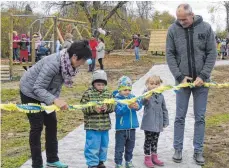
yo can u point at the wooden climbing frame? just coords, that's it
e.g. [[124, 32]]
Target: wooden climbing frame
[[55, 33]]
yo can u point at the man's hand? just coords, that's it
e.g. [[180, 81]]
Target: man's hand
[[198, 82], [61, 104], [165, 126], [185, 80]]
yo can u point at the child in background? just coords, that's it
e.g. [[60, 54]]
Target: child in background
[[126, 123], [28, 40], [23, 48], [93, 44], [155, 118], [97, 121], [15, 46]]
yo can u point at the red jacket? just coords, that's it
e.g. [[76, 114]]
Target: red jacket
[[93, 44], [15, 41]]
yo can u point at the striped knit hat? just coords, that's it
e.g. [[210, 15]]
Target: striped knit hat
[[124, 83]]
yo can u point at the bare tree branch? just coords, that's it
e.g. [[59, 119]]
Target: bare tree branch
[[112, 12], [86, 10], [119, 16]]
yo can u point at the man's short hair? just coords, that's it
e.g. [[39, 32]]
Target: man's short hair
[[186, 7]]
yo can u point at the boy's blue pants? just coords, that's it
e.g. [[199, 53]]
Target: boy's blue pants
[[96, 147]]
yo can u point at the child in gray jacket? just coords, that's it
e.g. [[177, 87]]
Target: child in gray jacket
[[155, 118]]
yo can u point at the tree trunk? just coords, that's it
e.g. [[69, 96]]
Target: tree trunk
[[95, 17], [226, 4]]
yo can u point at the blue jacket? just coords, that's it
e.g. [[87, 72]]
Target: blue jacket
[[126, 118], [42, 51]]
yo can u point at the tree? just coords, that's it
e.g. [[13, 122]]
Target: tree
[[219, 7], [226, 5], [17, 6], [94, 11], [162, 20], [28, 9], [144, 8]]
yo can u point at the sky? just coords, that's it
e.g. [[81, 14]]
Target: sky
[[198, 7]]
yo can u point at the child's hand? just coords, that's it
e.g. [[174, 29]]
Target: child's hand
[[134, 106], [104, 108], [147, 98], [98, 109], [131, 106]]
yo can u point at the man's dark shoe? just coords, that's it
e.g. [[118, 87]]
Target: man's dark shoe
[[177, 157], [198, 157]]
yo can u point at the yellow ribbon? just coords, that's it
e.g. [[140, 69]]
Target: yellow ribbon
[[35, 108]]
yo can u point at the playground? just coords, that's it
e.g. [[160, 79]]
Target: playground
[[15, 126], [118, 61]]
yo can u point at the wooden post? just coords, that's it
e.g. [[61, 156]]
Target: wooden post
[[71, 21], [55, 33], [59, 35], [11, 46], [89, 33], [49, 30], [128, 45], [33, 54], [53, 46], [78, 32]]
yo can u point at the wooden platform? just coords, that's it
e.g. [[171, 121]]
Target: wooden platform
[[5, 72]]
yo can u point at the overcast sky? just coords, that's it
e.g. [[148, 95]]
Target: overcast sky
[[199, 8]]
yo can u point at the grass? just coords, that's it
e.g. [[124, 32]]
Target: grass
[[217, 120], [8, 95], [217, 123], [15, 125]]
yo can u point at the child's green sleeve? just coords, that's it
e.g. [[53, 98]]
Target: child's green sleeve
[[84, 100]]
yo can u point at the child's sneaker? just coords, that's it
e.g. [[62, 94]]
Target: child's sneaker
[[129, 165], [57, 164], [101, 165], [119, 166]]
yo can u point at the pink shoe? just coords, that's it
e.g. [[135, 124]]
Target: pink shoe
[[156, 161], [148, 161]]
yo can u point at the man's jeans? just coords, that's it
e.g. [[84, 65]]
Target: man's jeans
[[200, 96]]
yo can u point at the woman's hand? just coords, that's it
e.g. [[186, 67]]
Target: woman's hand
[[61, 104]]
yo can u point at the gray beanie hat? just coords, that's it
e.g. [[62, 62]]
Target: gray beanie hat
[[99, 75]]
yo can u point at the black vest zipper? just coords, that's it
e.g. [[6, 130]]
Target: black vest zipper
[[188, 52]]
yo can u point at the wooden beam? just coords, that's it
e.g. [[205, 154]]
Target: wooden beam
[[78, 32], [33, 16], [11, 46], [128, 45], [71, 21], [33, 54], [88, 32], [49, 30], [55, 33], [52, 45], [59, 35]]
